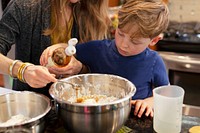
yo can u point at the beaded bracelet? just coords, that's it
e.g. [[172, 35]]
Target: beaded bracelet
[[10, 70]]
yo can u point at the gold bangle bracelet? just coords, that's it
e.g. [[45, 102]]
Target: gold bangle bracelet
[[19, 72], [23, 70]]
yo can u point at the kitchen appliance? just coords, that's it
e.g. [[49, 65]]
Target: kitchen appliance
[[180, 50], [93, 118], [184, 70], [181, 37], [26, 104]]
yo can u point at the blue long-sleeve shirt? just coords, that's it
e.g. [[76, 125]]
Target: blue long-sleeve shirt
[[145, 70]]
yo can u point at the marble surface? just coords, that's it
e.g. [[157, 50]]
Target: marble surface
[[4, 90], [145, 124], [133, 124]]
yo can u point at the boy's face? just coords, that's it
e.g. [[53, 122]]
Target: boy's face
[[127, 46]]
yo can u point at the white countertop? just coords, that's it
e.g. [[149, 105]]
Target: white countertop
[[5, 90]]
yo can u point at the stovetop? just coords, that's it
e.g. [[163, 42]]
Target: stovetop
[[178, 46], [183, 32], [181, 37]]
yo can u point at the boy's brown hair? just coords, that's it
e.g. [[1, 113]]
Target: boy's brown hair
[[151, 17]]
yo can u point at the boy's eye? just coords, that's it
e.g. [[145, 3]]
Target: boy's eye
[[135, 42]]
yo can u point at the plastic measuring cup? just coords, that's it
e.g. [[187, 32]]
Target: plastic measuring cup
[[168, 101]]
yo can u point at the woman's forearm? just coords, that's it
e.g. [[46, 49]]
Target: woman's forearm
[[5, 66]]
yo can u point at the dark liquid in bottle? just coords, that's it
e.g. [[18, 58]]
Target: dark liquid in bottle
[[60, 58]]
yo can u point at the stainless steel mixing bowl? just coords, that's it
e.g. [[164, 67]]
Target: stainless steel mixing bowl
[[28, 104], [93, 118]]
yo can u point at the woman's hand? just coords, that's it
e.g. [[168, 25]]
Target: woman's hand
[[74, 67], [142, 106], [48, 52], [38, 76]]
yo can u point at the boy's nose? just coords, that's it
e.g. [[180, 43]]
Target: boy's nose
[[124, 44]]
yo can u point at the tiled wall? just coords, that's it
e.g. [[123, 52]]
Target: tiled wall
[[184, 10]]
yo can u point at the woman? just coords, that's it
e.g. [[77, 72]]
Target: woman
[[34, 25]]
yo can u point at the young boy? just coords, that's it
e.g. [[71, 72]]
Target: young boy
[[140, 23]]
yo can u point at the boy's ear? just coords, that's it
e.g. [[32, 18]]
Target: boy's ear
[[155, 40]]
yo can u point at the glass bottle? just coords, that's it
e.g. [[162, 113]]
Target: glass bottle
[[62, 56]]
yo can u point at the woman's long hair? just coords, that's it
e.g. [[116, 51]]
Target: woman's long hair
[[91, 17]]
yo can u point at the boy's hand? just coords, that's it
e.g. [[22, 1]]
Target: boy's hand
[[142, 106]]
